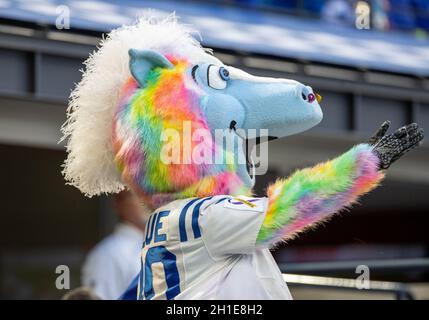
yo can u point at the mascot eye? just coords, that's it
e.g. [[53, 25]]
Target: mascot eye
[[217, 77]]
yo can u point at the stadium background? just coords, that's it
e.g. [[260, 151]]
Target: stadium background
[[365, 76]]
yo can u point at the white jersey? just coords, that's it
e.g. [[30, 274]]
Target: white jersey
[[204, 248]]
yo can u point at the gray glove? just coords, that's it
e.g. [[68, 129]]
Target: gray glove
[[390, 148]]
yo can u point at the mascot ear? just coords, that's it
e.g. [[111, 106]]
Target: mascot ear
[[142, 61]]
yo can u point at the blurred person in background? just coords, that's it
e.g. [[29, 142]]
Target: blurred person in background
[[314, 7], [421, 10], [401, 15], [339, 12], [113, 263], [380, 14]]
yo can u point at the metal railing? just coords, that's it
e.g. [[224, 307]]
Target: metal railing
[[415, 264], [296, 274], [399, 290]]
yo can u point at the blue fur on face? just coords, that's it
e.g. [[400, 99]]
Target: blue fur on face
[[282, 107], [234, 100]]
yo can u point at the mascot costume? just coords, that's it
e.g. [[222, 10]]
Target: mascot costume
[[148, 88]]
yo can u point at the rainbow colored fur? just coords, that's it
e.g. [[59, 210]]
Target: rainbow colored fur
[[312, 195], [168, 101]]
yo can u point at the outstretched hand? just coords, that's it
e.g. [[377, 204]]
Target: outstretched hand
[[390, 148]]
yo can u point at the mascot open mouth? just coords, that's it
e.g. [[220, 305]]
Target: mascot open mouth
[[249, 144]]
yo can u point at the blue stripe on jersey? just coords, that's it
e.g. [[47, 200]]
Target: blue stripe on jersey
[[221, 199], [182, 220], [195, 214]]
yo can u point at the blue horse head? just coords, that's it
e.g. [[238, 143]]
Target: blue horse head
[[257, 107]]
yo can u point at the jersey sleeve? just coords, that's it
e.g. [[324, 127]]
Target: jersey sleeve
[[230, 225]]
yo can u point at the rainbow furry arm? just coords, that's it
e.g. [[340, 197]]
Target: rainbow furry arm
[[314, 194]]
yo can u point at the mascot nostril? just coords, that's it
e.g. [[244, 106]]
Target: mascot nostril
[[128, 117]]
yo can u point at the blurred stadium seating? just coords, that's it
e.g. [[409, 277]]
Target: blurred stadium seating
[[400, 15]]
